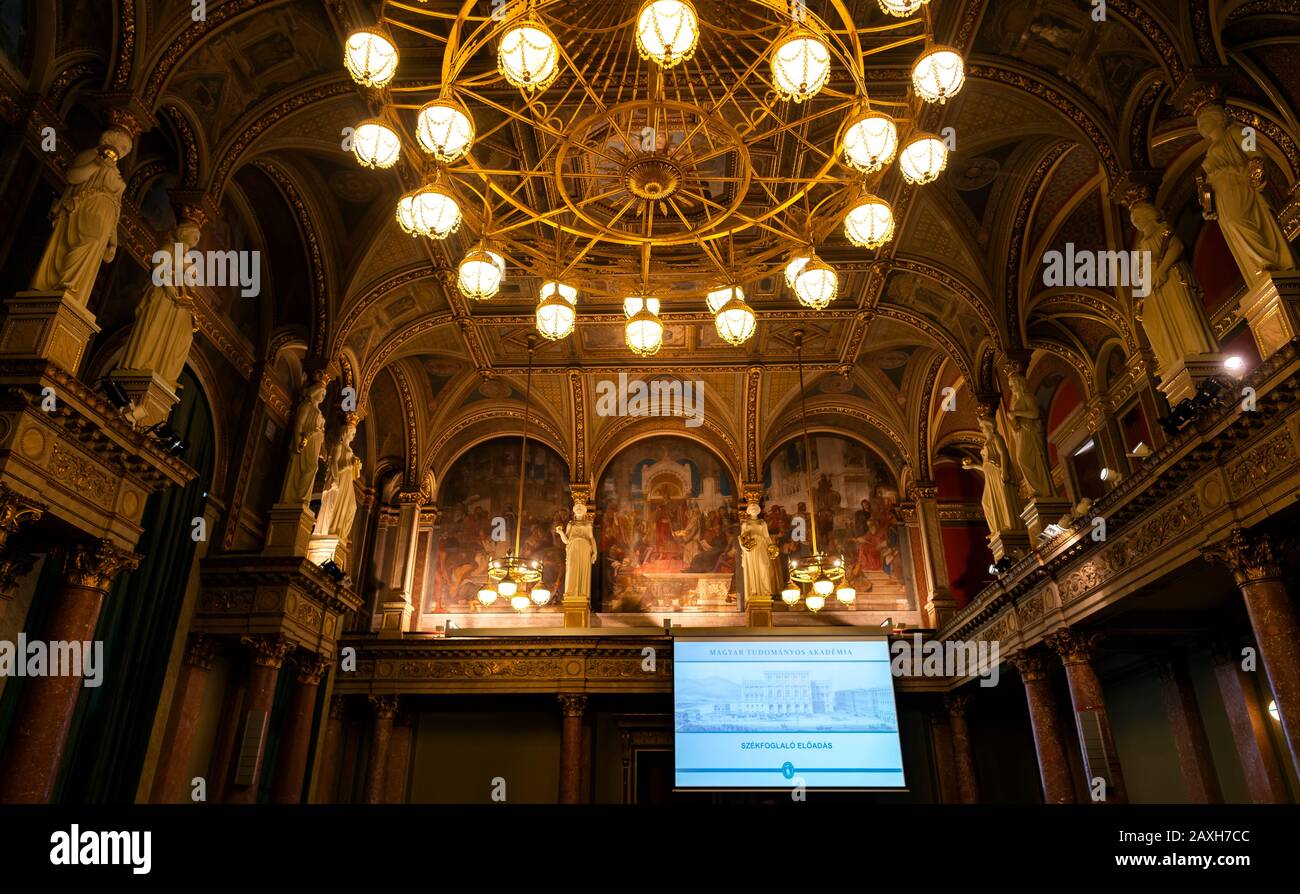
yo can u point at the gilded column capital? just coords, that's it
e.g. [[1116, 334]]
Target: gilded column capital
[[384, 706], [572, 705], [270, 650], [310, 667], [956, 703], [14, 566], [1249, 556], [16, 510], [200, 649], [1074, 646], [94, 565], [1033, 665]]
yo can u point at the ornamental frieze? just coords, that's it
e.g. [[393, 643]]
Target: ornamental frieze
[[1262, 463]]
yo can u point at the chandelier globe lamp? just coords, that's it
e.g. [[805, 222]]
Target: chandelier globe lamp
[[644, 331], [375, 144], [735, 322], [922, 159], [528, 56], [445, 130], [870, 222], [817, 284], [801, 65], [667, 31], [938, 75], [902, 8], [556, 310], [435, 211], [870, 142], [481, 273], [370, 57]]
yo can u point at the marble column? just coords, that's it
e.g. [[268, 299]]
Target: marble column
[[295, 740], [1049, 739], [381, 735], [40, 728], [1195, 761], [963, 752], [397, 608], [227, 742], [945, 768], [266, 657], [572, 707], [1248, 719], [331, 750], [169, 783], [1273, 619], [397, 769], [1078, 654]]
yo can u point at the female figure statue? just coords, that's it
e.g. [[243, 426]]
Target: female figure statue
[[1248, 224], [304, 446], [338, 502], [996, 469], [1031, 450], [164, 321], [757, 551], [85, 220], [579, 554], [1171, 314]]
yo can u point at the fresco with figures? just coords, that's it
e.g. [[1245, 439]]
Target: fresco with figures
[[666, 529], [482, 486], [855, 498]]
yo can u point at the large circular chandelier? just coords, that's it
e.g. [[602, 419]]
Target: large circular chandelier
[[640, 136]]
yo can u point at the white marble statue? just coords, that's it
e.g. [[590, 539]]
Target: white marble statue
[[998, 500], [163, 331], [1248, 224], [756, 552], [304, 446], [85, 220], [338, 502], [1171, 315], [1031, 448], [579, 554]]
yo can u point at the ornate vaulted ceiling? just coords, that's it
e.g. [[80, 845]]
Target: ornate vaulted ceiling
[[1059, 116]]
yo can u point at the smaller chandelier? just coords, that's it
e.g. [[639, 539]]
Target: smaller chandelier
[[435, 211], [556, 313], [529, 56], [375, 145], [902, 8], [721, 295], [445, 130], [667, 31], [870, 223], [370, 57], [870, 142], [801, 66], [817, 284], [735, 322], [644, 332], [797, 262], [923, 159], [939, 74], [481, 273], [813, 578], [514, 578]]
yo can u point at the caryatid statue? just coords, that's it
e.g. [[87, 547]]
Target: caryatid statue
[[995, 466], [338, 502], [1248, 224], [1171, 314], [85, 220], [579, 554], [756, 553], [163, 331], [304, 446], [1031, 447]]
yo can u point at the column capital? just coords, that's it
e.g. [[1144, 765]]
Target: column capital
[[572, 705], [923, 490], [384, 706], [200, 649], [268, 650], [310, 667], [94, 565], [956, 703], [15, 564], [15, 510], [1248, 555], [1074, 646], [1033, 665], [338, 704]]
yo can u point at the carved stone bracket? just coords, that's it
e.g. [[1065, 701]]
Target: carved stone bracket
[[15, 510]]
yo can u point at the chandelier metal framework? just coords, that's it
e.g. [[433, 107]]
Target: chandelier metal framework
[[641, 139]]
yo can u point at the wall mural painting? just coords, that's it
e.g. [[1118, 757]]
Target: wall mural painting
[[483, 485], [666, 529], [854, 496]]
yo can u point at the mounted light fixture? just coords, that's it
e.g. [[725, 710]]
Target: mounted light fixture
[[735, 322], [870, 142], [644, 331], [480, 274], [870, 222], [718, 297], [923, 159], [375, 144], [801, 65], [902, 8], [370, 57], [529, 56], [817, 284], [939, 74], [667, 31], [445, 130], [435, 211], [797, 262], [556, 310]]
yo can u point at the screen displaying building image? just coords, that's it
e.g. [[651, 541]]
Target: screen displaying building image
[[765, 713]]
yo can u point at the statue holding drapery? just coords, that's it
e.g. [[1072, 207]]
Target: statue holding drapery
[[579, 554]]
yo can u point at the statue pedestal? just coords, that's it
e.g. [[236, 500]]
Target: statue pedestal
[[577, 612], [758, 610], [939, 609], [290, 532], [1041, 512], [1182, 379], [1009, 543], [1271, 308], [394, 616], [49, 326], [153, 398], [321, 547]]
